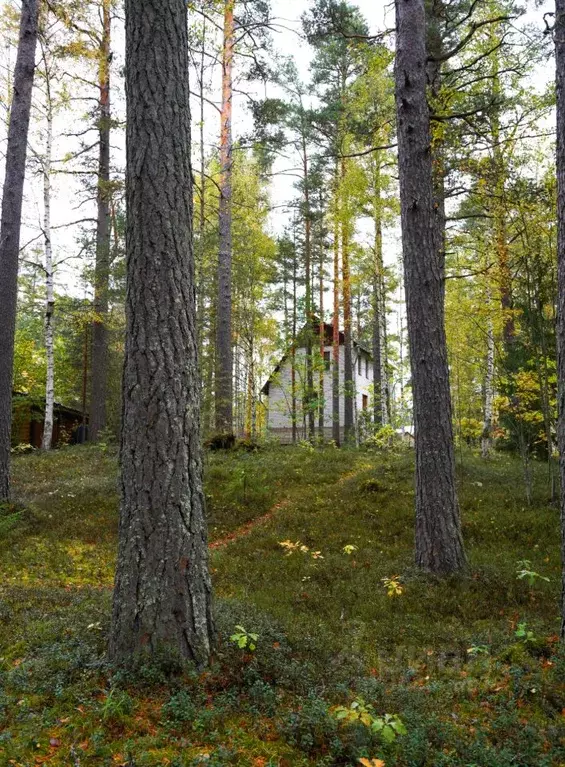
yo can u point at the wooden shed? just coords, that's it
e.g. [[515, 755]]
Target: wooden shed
[[28, 418]]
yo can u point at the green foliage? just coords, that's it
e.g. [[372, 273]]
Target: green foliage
[[9, 517], [388, 726], [392, 585], [244, 639], [524, 634], [382, 439], [116, 705], [525, 571]]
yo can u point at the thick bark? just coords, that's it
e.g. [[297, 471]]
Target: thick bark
[[12, 197], [162, 595], [560, 328], [224, 352], [439, 544], [335, 342], [49, 288], [99, 367], [435, 22]]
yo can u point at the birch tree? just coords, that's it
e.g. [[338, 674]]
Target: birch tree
[[46, 166]]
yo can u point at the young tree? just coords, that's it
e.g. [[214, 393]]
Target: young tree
[[439, 543], [11, 222], [162, 592]]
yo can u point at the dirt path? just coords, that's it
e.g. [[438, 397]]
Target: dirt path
[[249, 527]]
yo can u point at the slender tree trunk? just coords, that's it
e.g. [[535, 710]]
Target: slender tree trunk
[[236, 380], [499, 213], [308, 399], [85, 364], [249, 410], [200, 294], [486, 439], [162, 595], [348, 380], [47, 439], [439, 543], [322, 345], [224, 356], [99, 367], [378, 401], [294, 414], [386, 406], [16, 152], [559, 34], [336, 365]]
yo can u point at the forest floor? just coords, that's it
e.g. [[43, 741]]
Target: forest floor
[[471, 665]]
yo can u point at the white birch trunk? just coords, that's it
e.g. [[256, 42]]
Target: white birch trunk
[[486, 440], [49, 289]]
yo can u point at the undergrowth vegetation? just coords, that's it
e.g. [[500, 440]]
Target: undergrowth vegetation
[[331, 648]]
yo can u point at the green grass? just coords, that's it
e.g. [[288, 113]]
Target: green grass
[[328, 633]]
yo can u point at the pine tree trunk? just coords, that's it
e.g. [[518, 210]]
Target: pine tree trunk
[[309, 396], [559, 35], [439, 543], [435, 22], [99, 362], [348, 380], [47, 439], [378, 400], [322, 340], [294, 413], [335, 350], [386, 399], [16, 152], [162, 595], [224, 352]]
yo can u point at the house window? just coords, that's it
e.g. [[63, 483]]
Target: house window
[[360, 361], [365, 401], [326, 360]]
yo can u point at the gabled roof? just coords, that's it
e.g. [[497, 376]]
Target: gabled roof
[[38, 403], [300, 343]]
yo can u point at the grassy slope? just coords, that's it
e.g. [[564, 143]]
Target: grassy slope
[[328, 632]]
